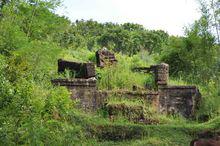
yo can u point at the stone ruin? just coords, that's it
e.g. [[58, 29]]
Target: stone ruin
[[85, 90], [81, 70], [104, 58], [183, 100], [179, 99], [83, 85], [173, 99], [160, 71]]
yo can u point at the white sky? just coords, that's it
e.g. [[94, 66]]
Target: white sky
[[168, 15]]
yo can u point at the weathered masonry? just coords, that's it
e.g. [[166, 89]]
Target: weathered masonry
[[80, 70], [104, 58], [82, 85], [160, 71], [84, 90], [167, 99], [179, 99], [173, 99]]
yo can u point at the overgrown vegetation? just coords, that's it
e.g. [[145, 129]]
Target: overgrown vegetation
[[121, 76], [33, 112]]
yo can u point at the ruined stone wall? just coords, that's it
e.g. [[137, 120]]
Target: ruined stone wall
[[85, 91], [179, 99], [90, 99], [183, 100]]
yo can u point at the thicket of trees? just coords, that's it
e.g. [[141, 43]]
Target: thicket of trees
[[33, 37], [35, 20], [197, 54], [127, 38]]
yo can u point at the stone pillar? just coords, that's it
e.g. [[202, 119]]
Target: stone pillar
[[162, 74]]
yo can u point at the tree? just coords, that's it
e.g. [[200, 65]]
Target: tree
[[215, 6], [211, 11], [2, 3]]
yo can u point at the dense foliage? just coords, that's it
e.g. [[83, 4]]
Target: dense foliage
[[33, 37], [127, 38]]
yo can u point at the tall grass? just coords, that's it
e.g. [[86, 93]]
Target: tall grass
[[79, 55], [121, 76], [210, 104]]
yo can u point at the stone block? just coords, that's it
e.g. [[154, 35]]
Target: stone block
[[161, 72], [183, 100], [81, 70], [104, 58]]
